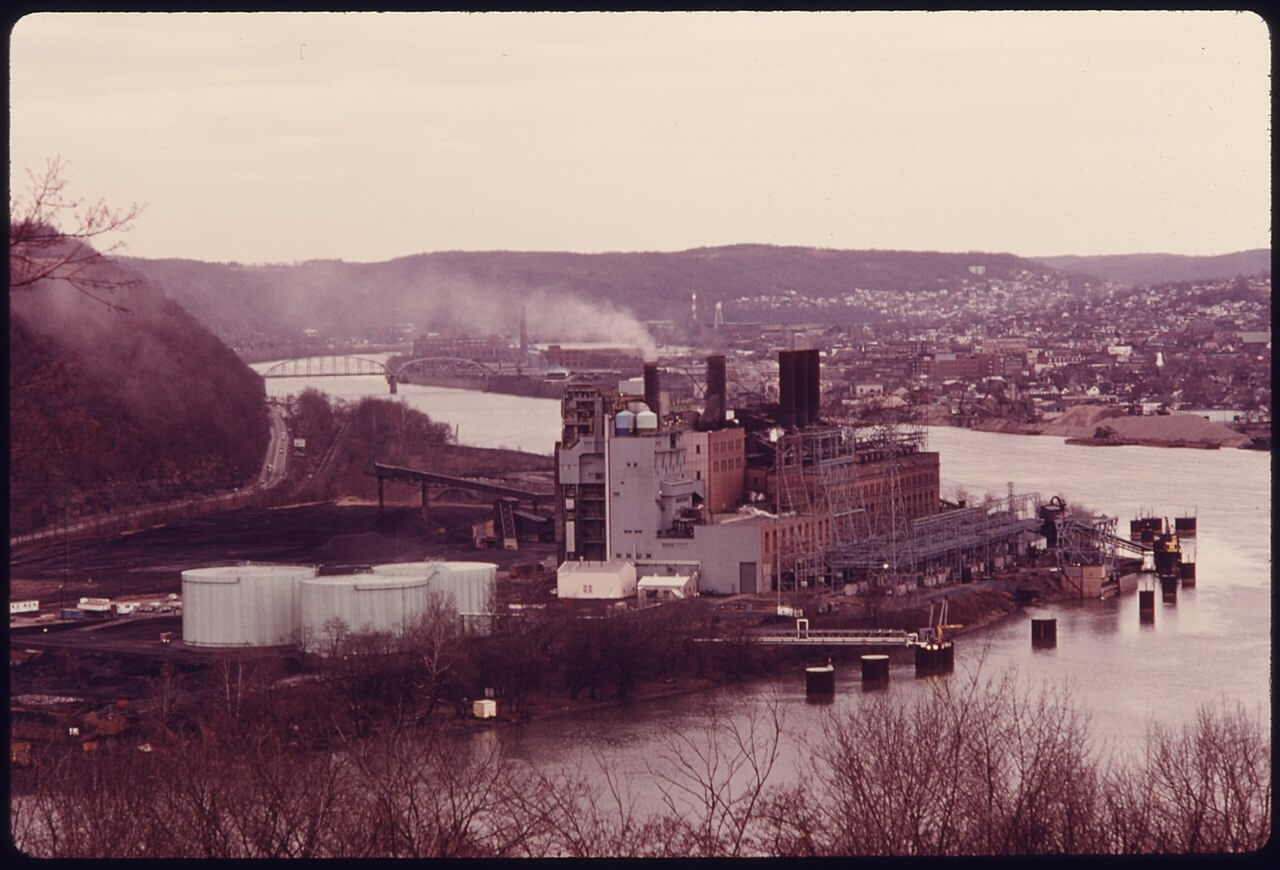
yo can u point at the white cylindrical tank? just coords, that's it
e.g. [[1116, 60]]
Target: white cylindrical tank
[[468, 587], [241, 605], [365, 603], [646, 421], [624, 422]]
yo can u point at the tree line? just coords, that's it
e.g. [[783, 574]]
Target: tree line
[[975, 766]]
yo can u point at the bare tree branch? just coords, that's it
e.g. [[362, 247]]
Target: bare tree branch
[[52, 237]]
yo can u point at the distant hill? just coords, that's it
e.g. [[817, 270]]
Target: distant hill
[[1164, 268], [108, 409], [594, 295]]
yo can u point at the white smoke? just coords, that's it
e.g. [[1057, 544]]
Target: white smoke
[[551, 315]]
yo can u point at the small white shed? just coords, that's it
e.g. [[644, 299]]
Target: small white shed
[[609, 580], [657, 587]]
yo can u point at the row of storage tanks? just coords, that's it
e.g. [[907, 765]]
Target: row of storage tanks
[[272, 605]]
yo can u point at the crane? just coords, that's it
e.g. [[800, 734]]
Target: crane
[[934, 633]]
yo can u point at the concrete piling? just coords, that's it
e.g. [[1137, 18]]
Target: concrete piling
[[820, 680], [1044, 633], [1146, 605], [1187, 571], [875, 671], [934, 659]]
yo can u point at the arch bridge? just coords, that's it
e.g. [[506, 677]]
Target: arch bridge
[[444, 365], [327, 367]]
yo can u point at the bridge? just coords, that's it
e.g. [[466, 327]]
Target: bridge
[[357, 366], [445, 365], [327, 367]]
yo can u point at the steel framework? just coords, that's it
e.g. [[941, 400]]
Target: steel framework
[[818, 471]]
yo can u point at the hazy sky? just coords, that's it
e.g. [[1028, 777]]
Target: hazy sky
[[282, 137]]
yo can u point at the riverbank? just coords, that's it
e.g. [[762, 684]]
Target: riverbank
[[1100, 425]]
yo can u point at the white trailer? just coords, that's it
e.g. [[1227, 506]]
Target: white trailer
[[16, 607]]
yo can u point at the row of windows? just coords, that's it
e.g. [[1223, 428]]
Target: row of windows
[[726, 464]]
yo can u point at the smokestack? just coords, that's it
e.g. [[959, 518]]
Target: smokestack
[[717, 392], [787, 389], [799, 389], [652, 388], [524, 334], [813, 384]]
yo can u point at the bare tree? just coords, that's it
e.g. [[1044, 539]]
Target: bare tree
[[714, 783], [52, 236], [1203, 788], [431, 643]]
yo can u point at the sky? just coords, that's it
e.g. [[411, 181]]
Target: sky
[[258, 138]]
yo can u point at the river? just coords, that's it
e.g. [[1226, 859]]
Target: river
[[1213, 645], [481, 419]]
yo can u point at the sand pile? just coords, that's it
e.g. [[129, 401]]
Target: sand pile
[[1177, 427], [1083, 421]]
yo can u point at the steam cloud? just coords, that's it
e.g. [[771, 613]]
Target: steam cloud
[[551, 314]]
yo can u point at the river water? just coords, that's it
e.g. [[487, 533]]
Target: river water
[[1213, 645]]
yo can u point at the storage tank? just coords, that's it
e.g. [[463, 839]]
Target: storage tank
[[241, 605], [624, 423], [646, 421], [468, 587], [365, 603]]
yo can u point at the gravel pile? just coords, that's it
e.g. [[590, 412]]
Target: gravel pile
[[1083, 421]]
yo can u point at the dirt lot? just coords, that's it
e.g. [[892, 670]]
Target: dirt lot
[[151, 562]]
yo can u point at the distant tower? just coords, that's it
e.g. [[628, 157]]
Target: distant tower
[[719, 320], [524, 334], [693, 308]]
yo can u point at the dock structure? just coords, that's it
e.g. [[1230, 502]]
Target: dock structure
[[805, 636]]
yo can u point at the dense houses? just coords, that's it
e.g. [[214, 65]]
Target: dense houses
[[1029, 347]]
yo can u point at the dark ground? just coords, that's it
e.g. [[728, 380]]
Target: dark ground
[[151, 562]]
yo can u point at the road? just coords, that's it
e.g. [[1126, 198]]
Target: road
[[272, 473], [275, 463]]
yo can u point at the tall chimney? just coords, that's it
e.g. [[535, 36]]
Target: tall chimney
[[652, 388], [787, 389], [717, 391], [813, 385]]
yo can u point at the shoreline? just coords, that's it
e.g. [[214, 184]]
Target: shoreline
[[1011, 427]]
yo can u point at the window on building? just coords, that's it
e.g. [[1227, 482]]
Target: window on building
[[586, 588]]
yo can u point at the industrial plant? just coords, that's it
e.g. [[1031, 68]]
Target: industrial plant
[[769, 497]]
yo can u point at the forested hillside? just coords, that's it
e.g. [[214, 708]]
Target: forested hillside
[[562, 292], [1165, 268], [111, 408]]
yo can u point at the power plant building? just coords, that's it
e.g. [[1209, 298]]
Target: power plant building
[[772, 498]]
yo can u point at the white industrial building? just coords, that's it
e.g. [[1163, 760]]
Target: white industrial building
[[657, 588], [273, 605], [610, 580], [652, 511]]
